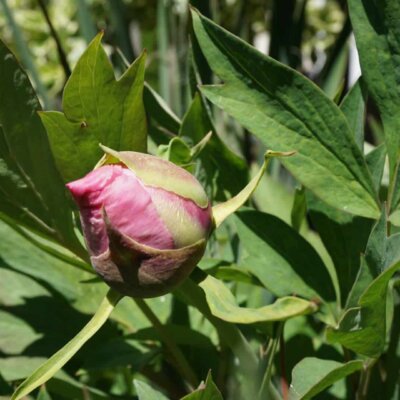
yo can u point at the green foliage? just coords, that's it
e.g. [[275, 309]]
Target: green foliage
[[297, 296], [288, 113], [115, 119]]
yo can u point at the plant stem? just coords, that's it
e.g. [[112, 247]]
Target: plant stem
[[61, 54], [272, 350], [182, 364], [364, 380], [59, 359], [284, 383]]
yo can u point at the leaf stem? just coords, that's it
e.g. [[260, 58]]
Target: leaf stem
[[182, 364], [61, 53], [268, 372], [59, 359]]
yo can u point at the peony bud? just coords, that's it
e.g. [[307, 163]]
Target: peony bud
[[145, 221]]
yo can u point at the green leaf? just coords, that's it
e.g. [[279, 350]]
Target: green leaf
[[146, 392], [362, 329], [97, 109], [223, 305], [31, 190], [182, 335], [158, 110], [353, 107], [377, 33], [206, 391], [376, 164], [218, 161], [299, 209], [288, 112], [312, 375], [282, 259], [59, 359], [345, 238]]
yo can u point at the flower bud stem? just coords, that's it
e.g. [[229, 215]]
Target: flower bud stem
[[59, 359], [181, 363]]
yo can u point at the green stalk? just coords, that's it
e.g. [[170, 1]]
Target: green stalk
[[162, 46], [59, 359], [272, 347], [182, 364], [25, 54]]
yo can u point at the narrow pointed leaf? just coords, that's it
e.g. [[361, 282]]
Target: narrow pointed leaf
[[218, 161], [59, 359], [377, 33]]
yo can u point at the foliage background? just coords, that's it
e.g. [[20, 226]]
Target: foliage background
[[44, 300]]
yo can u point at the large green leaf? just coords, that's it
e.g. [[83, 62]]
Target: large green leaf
[[206, 391], [312, 375], [97, 109], [377, 32], [282, 259], [31, 190], [288, 112], [223, 305], [362, 329]]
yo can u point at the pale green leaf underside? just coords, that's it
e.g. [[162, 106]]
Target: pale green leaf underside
[[223, 305], [288, 112]]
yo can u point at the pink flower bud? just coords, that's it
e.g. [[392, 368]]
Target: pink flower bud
[[145, 221]]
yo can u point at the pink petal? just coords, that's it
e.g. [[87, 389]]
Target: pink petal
[[128, 206]]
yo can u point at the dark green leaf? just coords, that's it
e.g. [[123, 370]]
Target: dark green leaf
[[282, 259], [376, 164], [287, 112], [158, 110], [98, 109], [353, 107], [312, 375], [220, 163], [31, 190]]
